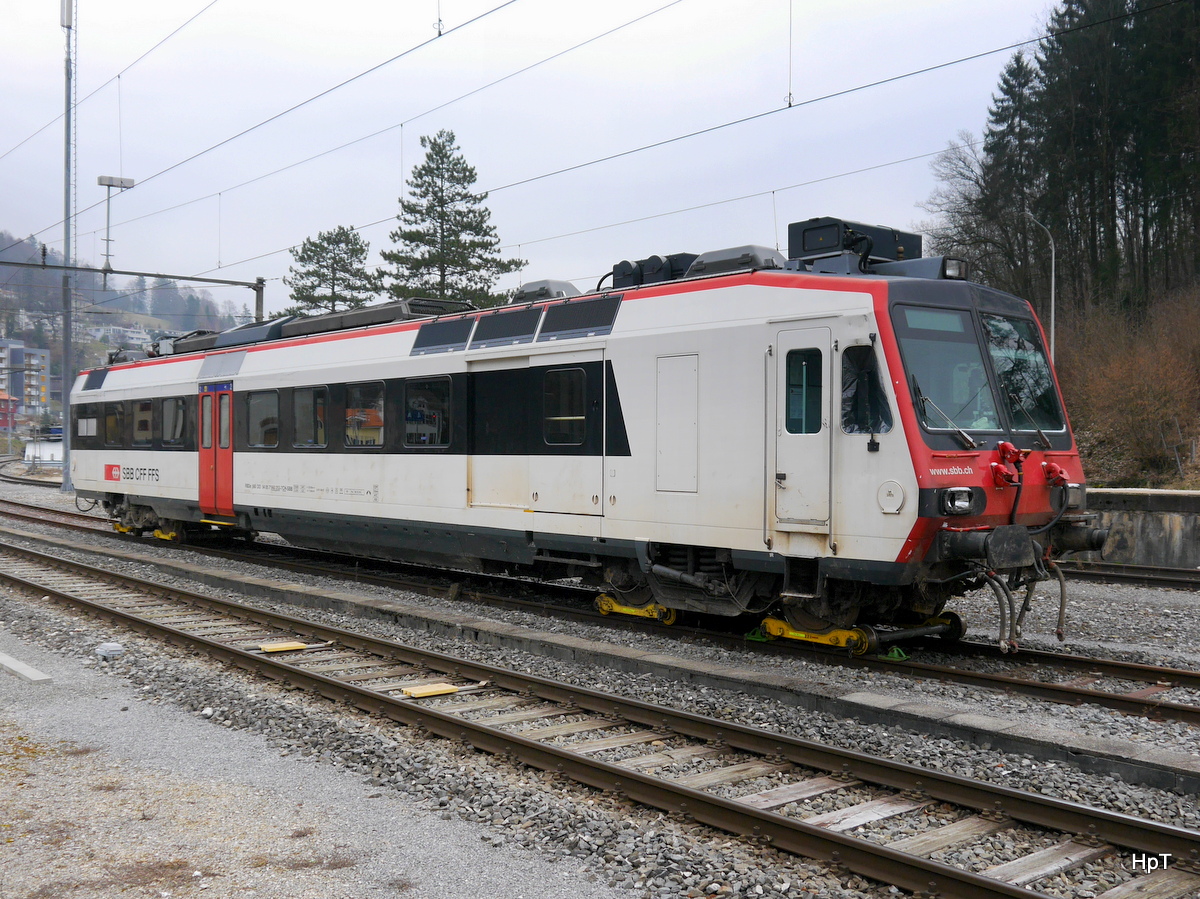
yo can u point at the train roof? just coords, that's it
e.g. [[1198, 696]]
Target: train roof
[[822, 246]]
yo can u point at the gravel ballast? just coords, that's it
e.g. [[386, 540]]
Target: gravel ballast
[[109, 791]]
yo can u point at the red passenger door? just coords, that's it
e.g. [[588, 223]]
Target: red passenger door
[[216, 449]]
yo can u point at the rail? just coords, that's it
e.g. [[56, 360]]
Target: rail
[[389, 678]]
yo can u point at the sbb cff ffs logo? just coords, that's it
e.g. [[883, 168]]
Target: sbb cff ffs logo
[[129, 473]]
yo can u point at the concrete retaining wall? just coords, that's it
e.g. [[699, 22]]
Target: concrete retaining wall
[[1149, 527]]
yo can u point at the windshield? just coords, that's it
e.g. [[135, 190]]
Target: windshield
[[949, 377], [1026, 385], [943, 357]]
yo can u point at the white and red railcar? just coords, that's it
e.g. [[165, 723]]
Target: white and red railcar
[[841, 438]]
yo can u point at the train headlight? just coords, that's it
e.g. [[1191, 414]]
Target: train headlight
[[956, 500], [955, 269]]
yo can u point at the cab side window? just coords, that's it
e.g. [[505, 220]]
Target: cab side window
[[865, 408]]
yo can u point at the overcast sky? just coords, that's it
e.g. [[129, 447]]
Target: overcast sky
[[186, 121]]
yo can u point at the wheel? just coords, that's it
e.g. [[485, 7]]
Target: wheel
[[958, 627], [667, 616], [867, 639], [803, 621]]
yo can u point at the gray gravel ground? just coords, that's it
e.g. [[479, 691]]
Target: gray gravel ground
[[596, 838], [110, 791]]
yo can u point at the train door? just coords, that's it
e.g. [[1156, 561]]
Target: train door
[[216, 448], [498, 466], [802, 429], [567, 472]]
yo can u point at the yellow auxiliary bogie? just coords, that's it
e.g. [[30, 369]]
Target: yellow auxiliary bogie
[[858, 640], [606, 605]]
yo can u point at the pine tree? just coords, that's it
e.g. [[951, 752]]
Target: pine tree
[[1012, 182], [331, 273], [448, 248], [165, 300]]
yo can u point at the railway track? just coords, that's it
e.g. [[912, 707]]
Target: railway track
[[1142, 575], [746, 781], [42, 515], [1128, 688], [8, 474]]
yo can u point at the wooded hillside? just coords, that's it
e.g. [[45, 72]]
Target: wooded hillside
[[1095, 136]]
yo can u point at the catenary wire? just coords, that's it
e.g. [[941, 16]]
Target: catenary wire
[[328, 91], [408, 121], [644, 218], [664, 142], [294, 107], [792, 104], [830, 96], [115, 77]]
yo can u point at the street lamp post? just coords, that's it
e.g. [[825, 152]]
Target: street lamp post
[[109, 182], [1051, 238]]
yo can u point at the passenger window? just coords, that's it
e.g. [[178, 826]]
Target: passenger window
[[803, 391], [263, 418], [865, 408], [364, 415], [427, 413], [308, 411], [223, 423], [564, 407], [173, 421], [114, 424], [206, 421], [143, 411]]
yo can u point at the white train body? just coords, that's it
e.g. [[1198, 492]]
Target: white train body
[[690, 442]]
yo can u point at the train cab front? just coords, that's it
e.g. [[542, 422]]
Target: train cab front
[[1002, 492]]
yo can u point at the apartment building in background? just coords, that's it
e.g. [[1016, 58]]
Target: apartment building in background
[[25, 376]]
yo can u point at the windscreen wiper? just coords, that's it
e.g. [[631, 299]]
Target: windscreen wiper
[[967, 439], [1020, 404]]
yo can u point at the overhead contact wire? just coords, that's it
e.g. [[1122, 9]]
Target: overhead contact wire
[[666, 141], [408, 121], [297, 106], [762, 115], [115, 77]]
